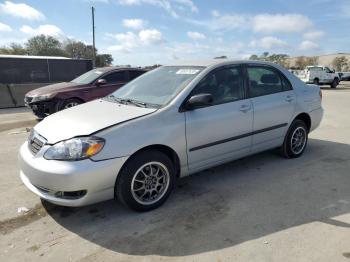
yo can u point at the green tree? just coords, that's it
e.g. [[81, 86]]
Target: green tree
[[45, 45], [253, 57], [340, 63], [13, 49], [104, 60], [77, 49], [281, 59], [312, 60], [301, 62]]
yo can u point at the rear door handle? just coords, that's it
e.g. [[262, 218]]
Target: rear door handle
[[245, 108]]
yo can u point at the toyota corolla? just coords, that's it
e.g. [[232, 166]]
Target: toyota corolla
[[171, 122]]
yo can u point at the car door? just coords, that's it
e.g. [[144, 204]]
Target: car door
[[114, 80], [273, 101], [222, 131]]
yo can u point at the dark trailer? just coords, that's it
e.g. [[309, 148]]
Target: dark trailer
[[20, 74]]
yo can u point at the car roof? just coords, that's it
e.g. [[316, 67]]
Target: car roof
[[216, 62], [117, 68]]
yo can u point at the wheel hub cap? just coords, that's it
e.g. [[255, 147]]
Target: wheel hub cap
[[150, 183], [298, 140]]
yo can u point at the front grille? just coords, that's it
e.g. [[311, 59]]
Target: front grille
[[35, 142]]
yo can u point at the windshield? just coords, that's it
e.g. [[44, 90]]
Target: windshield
[[88, 77], [158, 86]]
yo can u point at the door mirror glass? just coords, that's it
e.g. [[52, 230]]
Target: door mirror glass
[[101, 82], [198, 101]]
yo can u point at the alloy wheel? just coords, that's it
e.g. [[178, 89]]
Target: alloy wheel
[[150, 182]]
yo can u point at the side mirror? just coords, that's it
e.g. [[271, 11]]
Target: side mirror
[[101, 82], [198, 101]]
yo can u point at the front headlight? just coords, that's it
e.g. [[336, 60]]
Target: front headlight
[[75, 149], [42, 97]]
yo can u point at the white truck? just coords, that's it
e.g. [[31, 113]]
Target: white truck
[[320, 75]]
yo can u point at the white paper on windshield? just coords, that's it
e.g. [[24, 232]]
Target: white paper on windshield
[[98, 72], [187, 71]]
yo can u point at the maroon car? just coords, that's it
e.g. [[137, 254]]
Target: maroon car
[[94, 84]]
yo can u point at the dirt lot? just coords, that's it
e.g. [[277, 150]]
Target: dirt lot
[[261, 208]]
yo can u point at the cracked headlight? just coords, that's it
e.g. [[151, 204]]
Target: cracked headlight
[[77, 148]]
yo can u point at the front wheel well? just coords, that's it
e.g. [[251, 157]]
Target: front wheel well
[[305, 118], [168, 151]]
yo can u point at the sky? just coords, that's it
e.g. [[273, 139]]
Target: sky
[[147, 32]]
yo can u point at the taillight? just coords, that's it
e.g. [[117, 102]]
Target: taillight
[[320, 93]]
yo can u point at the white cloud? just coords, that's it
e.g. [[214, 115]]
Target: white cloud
[[51, 30], [5, 28], [169, 6], [135, 24], [188, 3], [119, 48], [262, 23], [196, 35], [312, 35], [215, 13], [288, 23], [199, 51], [21, 10], [129, 41], [151, 36], [223, 22], [308, 45], [270, 42], [267, 43]]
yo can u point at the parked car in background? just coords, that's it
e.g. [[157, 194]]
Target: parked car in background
[[320, 75], [344, 76], [168, 123], [94, 84]]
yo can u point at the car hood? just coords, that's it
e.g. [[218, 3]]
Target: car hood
[[54, 88], [86, 119]]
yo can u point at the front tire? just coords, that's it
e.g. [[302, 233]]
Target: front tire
[[295, 140], [335, 83], [68, 103], [146, 181]]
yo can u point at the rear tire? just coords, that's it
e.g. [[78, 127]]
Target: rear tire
[[146, 181], [295, 140], [316, 81]]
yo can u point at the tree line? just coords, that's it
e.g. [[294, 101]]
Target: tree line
[[43, 45], [339, 63]]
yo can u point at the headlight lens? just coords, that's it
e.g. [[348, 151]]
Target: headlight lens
[[42, 98], [75, 149]]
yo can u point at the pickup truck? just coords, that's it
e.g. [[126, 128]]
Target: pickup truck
[[320, 75]]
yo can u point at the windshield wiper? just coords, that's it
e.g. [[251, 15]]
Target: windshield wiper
[[128, 101]]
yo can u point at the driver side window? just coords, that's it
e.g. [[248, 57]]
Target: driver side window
[[115, 77], [225, 85]]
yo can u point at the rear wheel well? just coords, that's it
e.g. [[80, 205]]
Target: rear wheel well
[[168, 151], [305, 118]]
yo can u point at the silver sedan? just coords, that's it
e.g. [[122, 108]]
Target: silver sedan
[[171, 122]]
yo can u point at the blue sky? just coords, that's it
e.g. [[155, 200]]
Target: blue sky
[[144, 32]]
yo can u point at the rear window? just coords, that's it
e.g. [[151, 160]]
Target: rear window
[[263, 81]]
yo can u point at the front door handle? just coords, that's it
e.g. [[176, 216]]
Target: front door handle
[[245, 108], [289, 98]]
